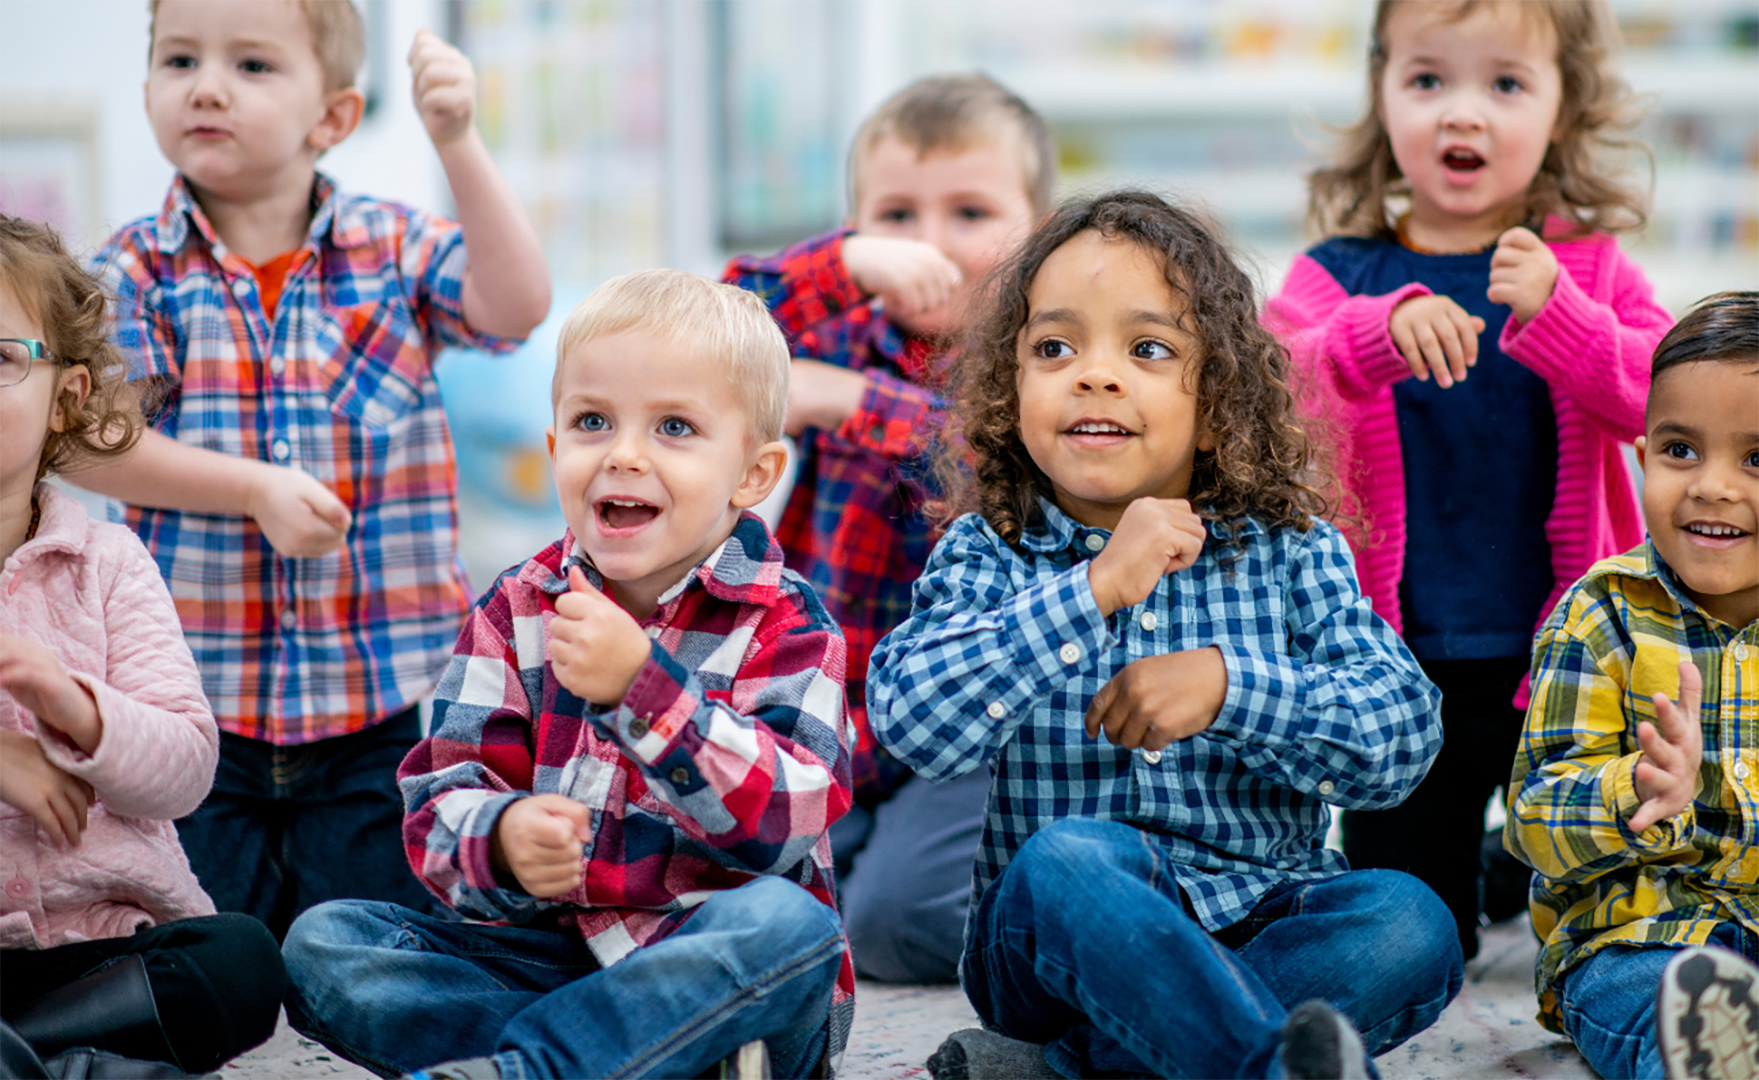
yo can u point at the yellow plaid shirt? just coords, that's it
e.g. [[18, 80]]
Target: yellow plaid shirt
[[1616, 639]]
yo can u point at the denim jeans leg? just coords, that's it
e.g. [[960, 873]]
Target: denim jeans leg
[[756, 962], [396, 990], [1084, 943]]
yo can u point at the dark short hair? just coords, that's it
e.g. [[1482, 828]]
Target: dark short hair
[[1720, 327]]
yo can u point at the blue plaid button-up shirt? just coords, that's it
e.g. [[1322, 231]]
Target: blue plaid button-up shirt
[[1005, 647]]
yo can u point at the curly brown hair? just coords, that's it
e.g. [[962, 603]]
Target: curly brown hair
[[1262, 465], [74, 312], [1580, 178]]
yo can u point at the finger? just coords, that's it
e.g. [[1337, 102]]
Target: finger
[[1520, 238], [1134, 732], [580, 586], [50, 822], [1453, 350], [422, 37], [1430, 347], [1647, 814], [65, 818], [81, 807], [1468, 327], [1096, 709], [1691, 692], [1669, 726], [1406, 343], [1653, 741]]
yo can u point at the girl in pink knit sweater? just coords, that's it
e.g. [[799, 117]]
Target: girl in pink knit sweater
[[1476, 347], [107, 943]]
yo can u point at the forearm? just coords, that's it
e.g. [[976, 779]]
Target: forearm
[[163, 473], [506, 282]]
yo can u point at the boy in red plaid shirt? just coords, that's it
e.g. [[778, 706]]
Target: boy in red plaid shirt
[[948, 176], [638, 749]]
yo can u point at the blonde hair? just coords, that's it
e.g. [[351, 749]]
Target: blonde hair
[[1577, 180], [338, 37], [956, 112], [74, 312], [723, 321]]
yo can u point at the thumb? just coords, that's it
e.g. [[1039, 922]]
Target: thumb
[[577, 582], [1691, 691], [1519, 237]]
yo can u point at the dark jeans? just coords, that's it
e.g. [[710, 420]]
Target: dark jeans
[[288, 827], [217, 982], [1436, 834], [1085, 944], [904, 877]]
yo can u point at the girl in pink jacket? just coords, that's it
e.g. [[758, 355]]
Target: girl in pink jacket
[[1476, 347], [106, 940]]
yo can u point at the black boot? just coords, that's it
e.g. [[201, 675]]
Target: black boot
[[111, 1009], [17, 1060]]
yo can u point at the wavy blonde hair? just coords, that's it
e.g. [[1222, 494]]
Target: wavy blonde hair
[[1579, 178]]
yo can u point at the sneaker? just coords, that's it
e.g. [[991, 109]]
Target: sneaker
[[976, 1054], [478, 1068], [1707, 1016], [1320, 1043], [749, 1062]]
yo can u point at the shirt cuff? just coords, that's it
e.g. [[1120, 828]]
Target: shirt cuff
[[888, 417], [1619, 794], [659, 705], [1262, 690], [1056, 628], [1364, 322], [474, 860], [1555, 335]]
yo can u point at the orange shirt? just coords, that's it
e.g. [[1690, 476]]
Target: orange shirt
[[271, 275]]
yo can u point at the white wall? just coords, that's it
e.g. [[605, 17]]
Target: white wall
[[91, 55]]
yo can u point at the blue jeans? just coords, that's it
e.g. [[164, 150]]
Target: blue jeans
[[396, 991], [1608, 1002], [1085, 944]]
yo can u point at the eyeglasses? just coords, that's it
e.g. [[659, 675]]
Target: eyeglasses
[[16, 356]]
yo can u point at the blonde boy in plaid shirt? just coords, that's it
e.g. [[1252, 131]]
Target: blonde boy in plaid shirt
[[299, 494], [1635, 793]]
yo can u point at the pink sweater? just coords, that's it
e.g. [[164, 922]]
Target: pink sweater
[[1591, 343], [89, 593]]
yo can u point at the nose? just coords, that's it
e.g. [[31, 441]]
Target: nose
[[932, 229], [209, 87], [627, 453], [1099, 377], [1463, 113], [1715, 481]]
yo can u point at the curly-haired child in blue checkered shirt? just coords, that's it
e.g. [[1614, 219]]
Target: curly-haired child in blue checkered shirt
[[1143, 628]]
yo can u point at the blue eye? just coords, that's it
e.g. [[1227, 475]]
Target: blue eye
[[674, 428], [1680, 451], [1151, 350], [1752, 461], [1426, 81], [593, 421], [254, 67], [1507, 84]]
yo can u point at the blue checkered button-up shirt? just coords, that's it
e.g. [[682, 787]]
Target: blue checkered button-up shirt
[[1005, 647]]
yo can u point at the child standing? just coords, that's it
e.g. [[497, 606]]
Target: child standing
[[1141, 561], [106, 940], [1635, 794], [300, 493], [637, 750], [947, 177], [1479, 359]]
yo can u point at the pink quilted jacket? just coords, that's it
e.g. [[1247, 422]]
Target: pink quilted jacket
[[89, 593]]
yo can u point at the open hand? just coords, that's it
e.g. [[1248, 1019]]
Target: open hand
[[1523, 272], [30, 782], [1154, 538], [596, 648], [1673, 748], [912, 277], [299, 517], [445, 87], [1434, 334], [38, 682], [821, 395], [1159, 700], [539, 840]]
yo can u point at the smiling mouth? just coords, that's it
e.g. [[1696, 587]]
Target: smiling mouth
[[1715, 530], [1461, 160], [1098, 427], [625, 513]]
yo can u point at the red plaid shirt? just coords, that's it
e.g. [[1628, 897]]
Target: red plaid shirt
[[854, 525]]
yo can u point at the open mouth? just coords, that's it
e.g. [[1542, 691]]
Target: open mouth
[[618, 514], [1459, 159], [1098, 433], [1717, 533]]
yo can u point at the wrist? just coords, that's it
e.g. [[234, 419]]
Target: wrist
[[461, 147], [1102, 592]]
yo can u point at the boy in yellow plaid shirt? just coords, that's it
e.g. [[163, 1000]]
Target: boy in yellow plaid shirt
[[1635, 793]]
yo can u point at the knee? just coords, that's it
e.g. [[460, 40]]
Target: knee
[[321, 942], [241, 978], [784, 912], [1072, 847], [1414, 924]]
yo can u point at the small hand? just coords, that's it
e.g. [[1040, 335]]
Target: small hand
[[1154, 538], [1159, 700], [913, 277], [299, 517], [821, 395], [596, 648], [1435, 334], [38, 682], [30, 782], [1673, 748], [1523, 272], [539, 840], [445, 87]]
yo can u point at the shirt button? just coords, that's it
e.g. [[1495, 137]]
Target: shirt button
[[1741, 770], [277, 365], [653, 632], [1326, 787], [281, 449], [1069, 653], [1152, 757], [1741, 652], [996, 710], [638, 727], [1095, 541], [680, 776], [288, 619], [1149, 622], [240, 287], [17, 887]]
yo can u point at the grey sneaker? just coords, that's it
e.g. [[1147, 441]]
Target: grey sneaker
[[478, 1068], [1320, 1043], [976, 1054], [1707, 1016]]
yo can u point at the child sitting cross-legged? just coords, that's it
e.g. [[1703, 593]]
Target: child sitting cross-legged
[[1142, 628], [636, 751]]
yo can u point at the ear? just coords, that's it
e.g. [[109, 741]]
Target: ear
[[762, 475], [342, 112], [1205, 441], [1642, 445], [75, 381], [550, 443]]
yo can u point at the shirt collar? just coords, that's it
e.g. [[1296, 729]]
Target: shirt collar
[[1656, 568], [342, 221], [745, 569], [62, 530]]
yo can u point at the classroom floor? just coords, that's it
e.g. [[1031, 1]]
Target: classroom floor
[[1488, 1031]]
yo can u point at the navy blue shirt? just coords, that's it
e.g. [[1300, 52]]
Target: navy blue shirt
[[1480, 468]]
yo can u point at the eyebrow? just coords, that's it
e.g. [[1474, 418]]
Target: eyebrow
[[1674, 427], [1054, 315], [184, 41]]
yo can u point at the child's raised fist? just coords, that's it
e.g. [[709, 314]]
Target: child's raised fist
[[1434, 334], [445, 87], [299, 517], [1154, 538], [596, 648], [539, 840], [912, 277], [1523, 272], [1673, 747]]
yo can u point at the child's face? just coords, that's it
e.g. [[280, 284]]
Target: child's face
[[1470, 107], [1108, 407], [235, 93], [972, 204], [654, 459], [1700, 458], [30, 410]]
